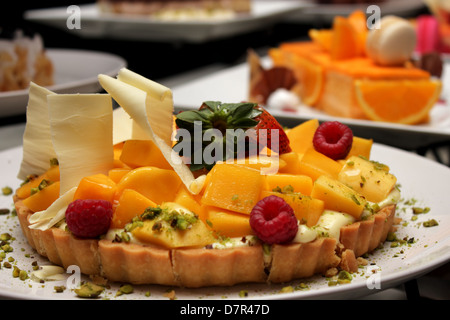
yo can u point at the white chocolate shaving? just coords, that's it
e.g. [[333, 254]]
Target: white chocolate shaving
[[150, 105], [37, 141], [81, 127]]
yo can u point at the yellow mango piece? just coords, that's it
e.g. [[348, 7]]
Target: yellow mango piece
[[360, 147], [292, 160], [116, 174], [42, 199], [264, 163], [228, 223], [306, 208], [160, 231], [98, 186], [191, 202], [117, 149], [159, 185], [301, 136], [52, 174], [131, 204], [315, 164], [299, 183], [338, 197], [233, 187], [143, 153], [369, 178]]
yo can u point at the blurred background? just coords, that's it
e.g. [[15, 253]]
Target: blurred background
[[141, 55]]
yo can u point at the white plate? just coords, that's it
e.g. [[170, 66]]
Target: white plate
[[326, 12], [421, 179], [94, 24], [231, 85], [76, 71]]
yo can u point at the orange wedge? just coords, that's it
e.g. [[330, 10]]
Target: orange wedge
[[323, 37], [398, 101], [311, 79], [358, 21], [346, 42]]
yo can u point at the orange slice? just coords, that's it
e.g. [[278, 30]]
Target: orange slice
[[311, 80], [346, 43], [323, 37], [358, 21], [398, 101]]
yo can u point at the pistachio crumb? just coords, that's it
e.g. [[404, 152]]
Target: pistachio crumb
[[243, 293], [6, 191], [89, 290]]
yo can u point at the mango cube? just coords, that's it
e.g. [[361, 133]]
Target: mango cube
[[292, 163], [163, 230], [338, 197], [360, 147], [301, 136], [371, 179], [315, 164], [233, 187], [299, 183], [143, 153], [97, 186], [191, 202], [131, 204], [227, 223], [159, 185], [42, 199], [52, 174]]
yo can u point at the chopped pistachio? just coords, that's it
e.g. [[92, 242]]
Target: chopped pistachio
[[4, 211], [430, 223], [59, 289], [23, 275], [7, 248], [287, 289], [6, 191], [417, 210], [125, 289], [5, 237], [89, 290], [243, 293]]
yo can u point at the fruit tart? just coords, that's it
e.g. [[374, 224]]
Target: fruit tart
[[209, 197]]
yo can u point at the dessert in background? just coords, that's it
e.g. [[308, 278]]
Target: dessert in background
[[23, 59], [177, 9], [441, 12], [275, 83], [352, 72]]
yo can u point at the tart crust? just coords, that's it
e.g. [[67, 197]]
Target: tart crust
[[201, 267]]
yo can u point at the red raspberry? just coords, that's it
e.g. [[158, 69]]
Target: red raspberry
[[89, 218], [333, 139], [273, 220]]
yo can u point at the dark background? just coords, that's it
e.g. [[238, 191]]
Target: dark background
[[143, 57]]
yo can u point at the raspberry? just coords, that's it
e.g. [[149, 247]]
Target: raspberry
[[333, 139], [89, 218], [273, 220]]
